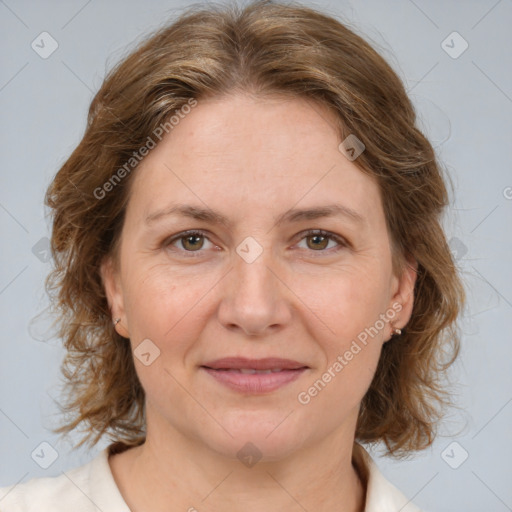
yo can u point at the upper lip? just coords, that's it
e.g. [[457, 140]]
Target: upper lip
[[269, 363]]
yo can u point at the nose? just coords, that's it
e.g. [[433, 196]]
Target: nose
[[255, 298]]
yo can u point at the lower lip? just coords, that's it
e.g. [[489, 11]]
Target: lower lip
[[254, 383]]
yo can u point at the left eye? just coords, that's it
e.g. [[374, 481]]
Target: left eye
[[320, 240]]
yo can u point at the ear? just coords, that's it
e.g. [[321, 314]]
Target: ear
[[403, 294], [111, 283]]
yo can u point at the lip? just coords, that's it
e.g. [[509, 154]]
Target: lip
[[226, 372], [256, 383], [267, 363]]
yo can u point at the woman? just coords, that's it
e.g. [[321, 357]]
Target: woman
[[251, 273]]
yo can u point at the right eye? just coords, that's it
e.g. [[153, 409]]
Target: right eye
[[191, 241]]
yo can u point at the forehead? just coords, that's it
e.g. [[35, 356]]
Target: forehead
[[253, 155]]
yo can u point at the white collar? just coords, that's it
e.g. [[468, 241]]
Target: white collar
[[381, 494]]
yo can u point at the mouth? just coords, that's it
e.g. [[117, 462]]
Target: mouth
[[251, 371], [254, 376]]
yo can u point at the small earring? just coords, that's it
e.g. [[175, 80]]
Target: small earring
[[397, 331], [116, 321]]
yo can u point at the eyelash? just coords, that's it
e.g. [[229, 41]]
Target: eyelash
[[310, 232]]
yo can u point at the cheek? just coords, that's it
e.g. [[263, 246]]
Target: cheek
[[351, 308], [346, 302], [165, 306], [339, 385], [167, 310]]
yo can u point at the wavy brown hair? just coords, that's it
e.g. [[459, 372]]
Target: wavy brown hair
[[265, 48]]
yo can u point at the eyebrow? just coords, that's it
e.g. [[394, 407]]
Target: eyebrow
[[293, 215]]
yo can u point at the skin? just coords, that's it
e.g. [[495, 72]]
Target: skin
[[251, 159]]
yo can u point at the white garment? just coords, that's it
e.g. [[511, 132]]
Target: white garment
[[92, 488]]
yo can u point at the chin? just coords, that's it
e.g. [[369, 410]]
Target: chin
[[270, 435]]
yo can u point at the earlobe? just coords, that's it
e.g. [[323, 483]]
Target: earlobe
[[404, 295], [110, 279]]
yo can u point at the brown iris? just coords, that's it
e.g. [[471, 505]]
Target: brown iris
[[194, 239], [323, 243]]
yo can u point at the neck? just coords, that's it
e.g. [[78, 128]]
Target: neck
[[174, 473]]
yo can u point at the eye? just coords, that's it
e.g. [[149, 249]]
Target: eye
[[190, 241], [318, 240]]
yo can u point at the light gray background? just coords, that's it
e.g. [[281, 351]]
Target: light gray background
[[465, 106]]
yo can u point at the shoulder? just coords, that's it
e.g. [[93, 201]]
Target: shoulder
[[87, 488], [381, 494]]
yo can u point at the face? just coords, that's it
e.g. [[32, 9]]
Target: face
[[256, 278]]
